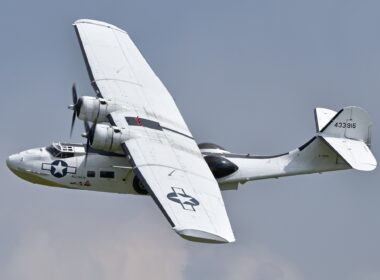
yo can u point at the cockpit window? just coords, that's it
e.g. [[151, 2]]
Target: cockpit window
[[58, 154], [53, 151]]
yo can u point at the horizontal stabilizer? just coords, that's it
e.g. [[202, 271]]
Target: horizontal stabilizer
[[355, 152]]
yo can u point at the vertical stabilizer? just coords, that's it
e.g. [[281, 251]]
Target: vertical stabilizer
[[351, 123], [349, 134]]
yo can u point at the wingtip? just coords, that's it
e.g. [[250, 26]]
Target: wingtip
[[364, 166], [97, 22], [90, 21], [203, 236]]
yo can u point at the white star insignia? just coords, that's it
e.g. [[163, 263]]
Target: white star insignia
[[59, 168], [183, 199]]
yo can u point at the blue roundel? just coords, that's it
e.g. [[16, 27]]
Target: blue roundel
[[58, 168]]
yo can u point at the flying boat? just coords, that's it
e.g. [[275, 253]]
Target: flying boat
[[138, 143]]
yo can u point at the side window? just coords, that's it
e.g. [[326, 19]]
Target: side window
[[91, 174], [66, 155], [107, 174]]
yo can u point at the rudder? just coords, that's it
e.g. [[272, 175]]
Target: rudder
[[351, 123]]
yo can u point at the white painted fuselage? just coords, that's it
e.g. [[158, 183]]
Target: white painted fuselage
[[65, 165], [40, 166]]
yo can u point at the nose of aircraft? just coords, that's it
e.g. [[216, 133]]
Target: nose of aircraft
[[13, 161]]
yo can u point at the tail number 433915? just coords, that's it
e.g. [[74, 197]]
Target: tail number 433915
[[345, 124]]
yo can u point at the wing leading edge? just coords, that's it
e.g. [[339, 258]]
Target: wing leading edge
[[160, 147]]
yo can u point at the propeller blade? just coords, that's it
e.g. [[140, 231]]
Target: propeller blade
[[72, 124], [90, 133], [74, 94], [76, 107], [86, 127], [87, 148]]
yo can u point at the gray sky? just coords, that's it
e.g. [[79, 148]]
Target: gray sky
[[246, 75]]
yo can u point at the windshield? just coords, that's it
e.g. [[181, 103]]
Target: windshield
[[58, 154]]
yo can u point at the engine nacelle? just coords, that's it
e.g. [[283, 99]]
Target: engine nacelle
[[95, 109], [212, 148], [107, 138]]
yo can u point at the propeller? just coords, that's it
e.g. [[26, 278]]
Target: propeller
[[77, 103], [90, 133]]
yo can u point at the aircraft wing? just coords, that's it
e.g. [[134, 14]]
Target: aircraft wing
[[119, 72], [160, 147]]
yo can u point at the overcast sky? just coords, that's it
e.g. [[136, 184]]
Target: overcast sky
[[246, 75]]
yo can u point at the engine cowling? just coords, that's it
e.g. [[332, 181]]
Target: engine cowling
[[106, 138], [95, 109], [215, 157], [212, 148]]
